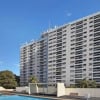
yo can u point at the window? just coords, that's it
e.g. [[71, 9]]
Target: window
[[96, 38], [79, 52], [96, 59], [90, 74], [96, 53], [79, 47], [72, 36], [72, 66], [79, 34], [91, 22], [97, 29], [96, 79], [96, 25], [80, 30], [97, 34], [97, 16], [80, 26], [96, 74], [90, 63], [85, 36], [91, 26], [96, 69], [96, 48], [78, 76], [96, 20], [96, 43], [91, 35], [78, 66], [80, 22], [72, 57], [96, 64], [90, 58], [78, 57], [91, 18], [78, 61], [91, 30], [78, 71], [72, 44], [79, 39], [91, 39], [90, 53], [72, 48]]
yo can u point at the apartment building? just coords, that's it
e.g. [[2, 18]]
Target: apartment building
[[33, 61], [84, 49], [58, 54], [68, 53]]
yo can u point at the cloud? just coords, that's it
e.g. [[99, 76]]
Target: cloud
[[69, 14]]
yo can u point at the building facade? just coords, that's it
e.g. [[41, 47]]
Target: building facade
[[68, 53], [33, 61]]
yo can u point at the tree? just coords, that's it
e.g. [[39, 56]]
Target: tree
[[72, 86], [84, 83], [87, 84], [93, 84], [98, 85], [17, 79], [33, 79], [7, 79]]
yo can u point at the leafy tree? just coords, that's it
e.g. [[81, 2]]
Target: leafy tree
[[7, 79], [84, 83], [33, 79], [17, 80], [98, 85], [87, 84], [72, 86], [93, 84]]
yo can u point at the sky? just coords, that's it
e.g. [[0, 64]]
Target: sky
[[24, 20]]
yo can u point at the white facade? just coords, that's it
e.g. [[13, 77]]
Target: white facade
[[57, 55], [33, 61], [71, 53], [84, 49]]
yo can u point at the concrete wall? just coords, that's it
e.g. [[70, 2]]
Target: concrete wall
[[92, 92], [1, 88], [60, 89], [49, 90], [9, 89], [34, 88], [22, 89], [52, 90]]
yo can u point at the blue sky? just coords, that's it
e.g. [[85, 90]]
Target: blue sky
[[25, 20]]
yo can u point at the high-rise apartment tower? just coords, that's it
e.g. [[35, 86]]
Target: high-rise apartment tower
[[68, 53]]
